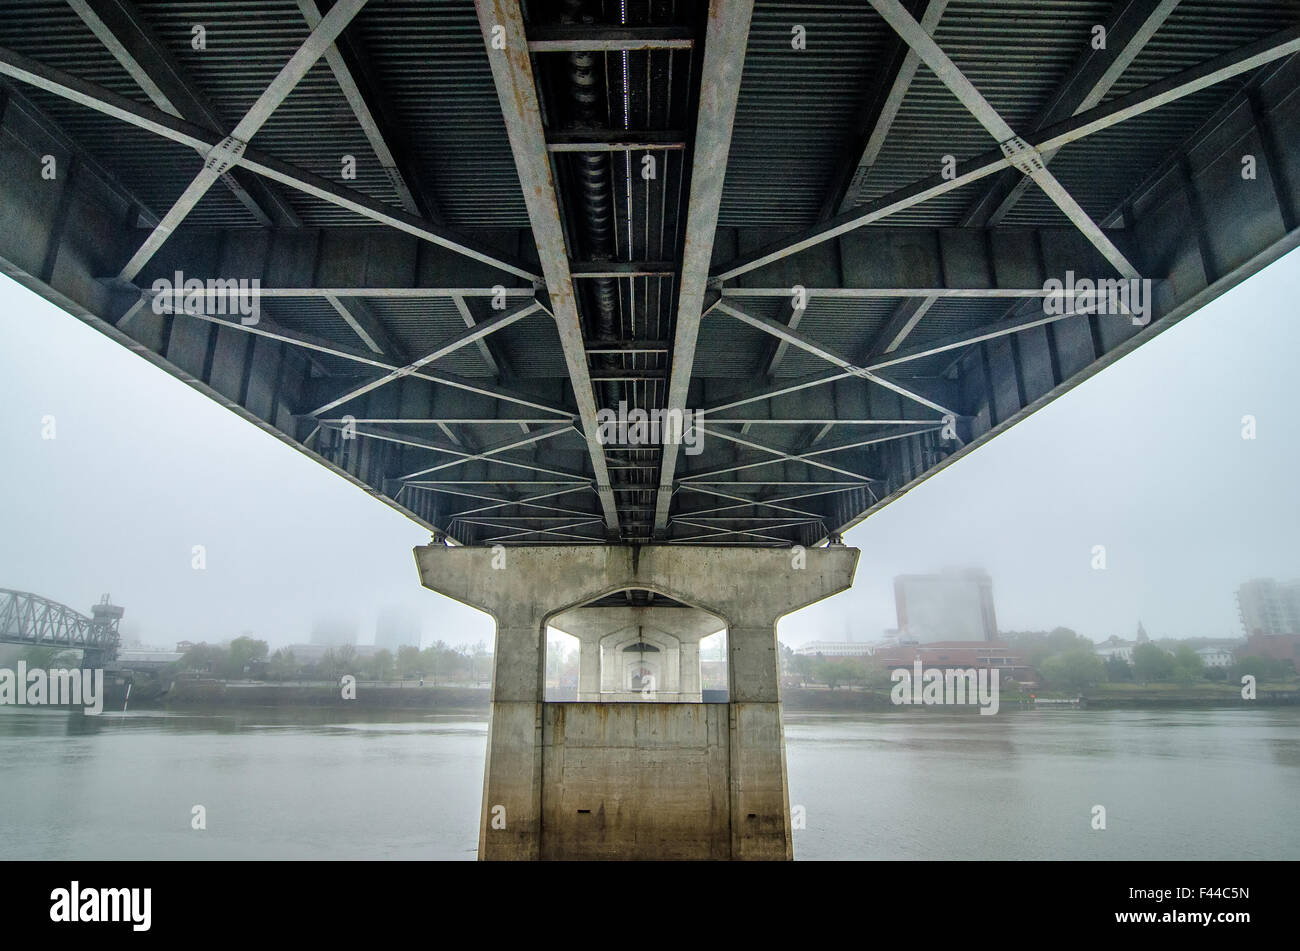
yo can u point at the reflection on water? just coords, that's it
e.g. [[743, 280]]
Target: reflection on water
[[1195, 784], [1191, 784], [274, 784]]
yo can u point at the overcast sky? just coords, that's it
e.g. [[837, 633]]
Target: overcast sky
[[1146, 458]]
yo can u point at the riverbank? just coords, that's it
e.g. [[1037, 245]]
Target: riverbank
[[1107, 696], [409, 695], [1101, 696]]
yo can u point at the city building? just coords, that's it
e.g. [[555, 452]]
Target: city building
[[397, 627], [959, 654], [1215, 656], [1118, 647], [1274, 646], [951, 606], [143, 658], [307, 654], [334, 632], [1267, 606], [835, 649]]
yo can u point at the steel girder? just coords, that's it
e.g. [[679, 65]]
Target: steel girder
[[335, 367]]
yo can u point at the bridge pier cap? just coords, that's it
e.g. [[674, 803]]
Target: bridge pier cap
[[527, 586]]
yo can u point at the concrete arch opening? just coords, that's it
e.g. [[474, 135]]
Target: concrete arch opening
[[642, 674], [714, 675], [637, 647], [563, 662]]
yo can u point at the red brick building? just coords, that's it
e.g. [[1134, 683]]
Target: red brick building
[[1274, 646], [963, 654]]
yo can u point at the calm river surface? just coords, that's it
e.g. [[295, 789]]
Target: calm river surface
[[1188, 784]]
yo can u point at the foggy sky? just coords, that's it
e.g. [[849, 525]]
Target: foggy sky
[[1145, 458]]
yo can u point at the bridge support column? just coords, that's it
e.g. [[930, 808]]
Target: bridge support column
[[588, 668], [635, 780]]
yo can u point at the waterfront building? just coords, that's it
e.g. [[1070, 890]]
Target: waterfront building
[[397, 627], [143, 658], [334, 631], [1215, 656], [950, 606], [1118, 647], [1274, 646], [835, 649], [957, 654], [1267, 606]]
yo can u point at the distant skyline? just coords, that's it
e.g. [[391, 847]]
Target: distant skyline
[[1146, 458]]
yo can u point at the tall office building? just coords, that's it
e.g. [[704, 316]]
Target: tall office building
[[951, 606], [334, 631], [397, 627], [1267, 606]]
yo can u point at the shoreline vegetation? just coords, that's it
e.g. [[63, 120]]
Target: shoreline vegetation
[[1098, 697], [409, 695], [1065, 669]]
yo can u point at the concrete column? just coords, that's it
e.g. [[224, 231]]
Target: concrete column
[[653, 780], [510, 825], [691, 667], [588, 668], [672, 674], [611, 677], [519, 591], [760, 798]]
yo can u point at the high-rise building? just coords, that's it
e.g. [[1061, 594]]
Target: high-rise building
[[1267, 606], [334, 631], [951, 606], [397, 627]]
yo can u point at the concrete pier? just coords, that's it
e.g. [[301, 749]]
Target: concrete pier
[[653, 778]]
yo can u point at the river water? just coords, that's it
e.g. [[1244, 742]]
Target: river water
[[1186, 784]]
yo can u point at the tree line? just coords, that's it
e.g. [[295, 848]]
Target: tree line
[[247, 657], [1062, 660]]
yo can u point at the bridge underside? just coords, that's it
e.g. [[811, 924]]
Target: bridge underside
[[465, 252]]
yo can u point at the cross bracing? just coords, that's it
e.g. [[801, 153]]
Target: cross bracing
[[434, 242]]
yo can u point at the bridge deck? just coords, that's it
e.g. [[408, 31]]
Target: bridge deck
[[829, 230]]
